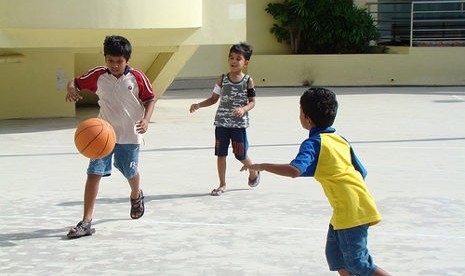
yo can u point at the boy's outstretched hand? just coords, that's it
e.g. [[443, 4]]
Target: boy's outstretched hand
[[279, 169], [72, 94], [194, 107], [252, 167]]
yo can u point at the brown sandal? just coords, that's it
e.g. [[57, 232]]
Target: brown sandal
[[137, 206], [217, 192], [81, 229]]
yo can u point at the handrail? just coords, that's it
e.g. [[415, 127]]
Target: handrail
[[411, 24], [419, 21], [438, 2]]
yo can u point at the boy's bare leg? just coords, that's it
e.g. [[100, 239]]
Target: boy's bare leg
[[380, 272], [248, 162], [137, 197], [90, 195], [343, 272], [135, 186], [221, 166]]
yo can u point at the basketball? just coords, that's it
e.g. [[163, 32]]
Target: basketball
[[94, 138]]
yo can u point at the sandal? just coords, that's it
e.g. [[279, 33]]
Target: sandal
[[137, 206], [217, 192], [81, 229], [255, 181]]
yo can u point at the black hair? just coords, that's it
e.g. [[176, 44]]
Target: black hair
[[243, 49], [115, 45], [320, 104]]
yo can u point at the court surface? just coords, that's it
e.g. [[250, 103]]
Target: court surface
[[411, 140]]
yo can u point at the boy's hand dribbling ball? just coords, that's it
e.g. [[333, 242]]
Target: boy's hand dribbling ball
[[95, 138]]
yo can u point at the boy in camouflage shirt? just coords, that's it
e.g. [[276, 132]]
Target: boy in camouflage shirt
[[236, 93]]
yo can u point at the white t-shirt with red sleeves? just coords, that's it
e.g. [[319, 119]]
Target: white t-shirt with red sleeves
[[121, 100]]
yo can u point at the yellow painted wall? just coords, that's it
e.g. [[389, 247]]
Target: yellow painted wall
[[421, 66], [43, 40], [211, 60], [34, 86], [271, 66], [224, 22], [258, 32], [101, 14], [402, 66], [208, 61]]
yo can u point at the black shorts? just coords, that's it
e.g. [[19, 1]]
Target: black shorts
[[238, 136]]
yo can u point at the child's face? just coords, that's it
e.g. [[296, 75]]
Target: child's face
[[116, 65], [236, 62], [305, 121]]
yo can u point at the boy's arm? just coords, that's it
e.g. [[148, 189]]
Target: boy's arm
[[209, 101], [72, 94], [149, 107], [240, 111], [143, 125], [279, 169]]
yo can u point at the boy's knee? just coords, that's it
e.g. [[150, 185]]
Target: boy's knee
[[129, 171], [239, 151]]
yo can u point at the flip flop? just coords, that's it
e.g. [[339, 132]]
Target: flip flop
[[217, 192], [255, 181]]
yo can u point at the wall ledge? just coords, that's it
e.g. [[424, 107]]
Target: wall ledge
[[11, 58]]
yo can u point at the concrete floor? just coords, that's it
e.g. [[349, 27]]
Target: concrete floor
[[411, 140]]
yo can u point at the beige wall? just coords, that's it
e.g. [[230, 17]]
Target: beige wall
[[211, 60], [224, 22], [403, 66], [101, 14], [419, 66], [35, 85], [258, 32], [271, 66], [45, 43], [208, 61]]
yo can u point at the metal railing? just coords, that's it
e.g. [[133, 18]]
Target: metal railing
[[420, 23]]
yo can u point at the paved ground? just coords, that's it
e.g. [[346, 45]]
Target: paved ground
[[412, 141]]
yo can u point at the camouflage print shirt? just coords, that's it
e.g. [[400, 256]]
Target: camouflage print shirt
[[232, 96]]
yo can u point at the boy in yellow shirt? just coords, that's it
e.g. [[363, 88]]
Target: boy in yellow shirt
[[330, 159]]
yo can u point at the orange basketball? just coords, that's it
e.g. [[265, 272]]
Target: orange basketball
[[94, 138]]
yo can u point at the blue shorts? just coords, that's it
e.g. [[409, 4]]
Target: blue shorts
[[238, 136], [347, 248], [126, 161]]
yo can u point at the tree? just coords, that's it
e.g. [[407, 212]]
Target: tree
[[322, 26]]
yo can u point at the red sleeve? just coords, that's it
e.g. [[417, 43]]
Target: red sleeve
[[145, 87], [88, 80]]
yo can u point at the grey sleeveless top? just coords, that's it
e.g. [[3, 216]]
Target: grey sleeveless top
[[232, 96]]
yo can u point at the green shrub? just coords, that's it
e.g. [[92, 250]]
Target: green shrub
[[322, 26]]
